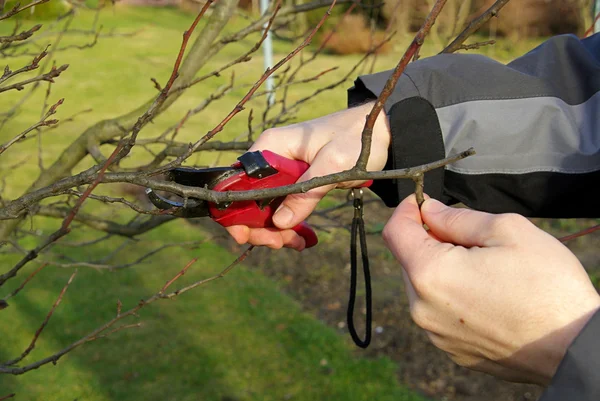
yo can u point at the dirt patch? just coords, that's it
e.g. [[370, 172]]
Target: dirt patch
[[319, 279]]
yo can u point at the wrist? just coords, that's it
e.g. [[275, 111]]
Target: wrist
[[561, 340]]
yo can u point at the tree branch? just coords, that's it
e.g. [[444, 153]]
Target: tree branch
[[240, 106], [367, 134], [41, 328], [103, 330], [42, 123], [475, 25], [16, 208], [17, 8]]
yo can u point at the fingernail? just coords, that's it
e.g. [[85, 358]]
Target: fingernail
[[432, 206], [283, 216]]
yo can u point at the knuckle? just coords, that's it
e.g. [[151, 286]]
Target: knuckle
[[462, 360], [240, 240], [508, 223], [338, 161], [267, 137], [419, 315], [423, 280], [388, 233], [438, 341], [455, 217]]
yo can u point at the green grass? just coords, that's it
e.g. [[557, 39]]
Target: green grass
[[238, 338]]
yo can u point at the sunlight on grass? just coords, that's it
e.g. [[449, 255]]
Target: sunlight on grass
[[238, 338]]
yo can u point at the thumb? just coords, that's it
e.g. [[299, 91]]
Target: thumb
[[458, 226], [297, 207], [405, 236]]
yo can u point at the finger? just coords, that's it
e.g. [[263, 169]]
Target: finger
[[294, 142], [276, 239], [458, 226], [297, 207], [405, 236], [241, 234]]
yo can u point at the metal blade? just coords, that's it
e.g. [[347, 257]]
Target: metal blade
[[191, 208], [204, 178], [191, 177]]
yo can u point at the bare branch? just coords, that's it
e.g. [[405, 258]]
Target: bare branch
[[240, 106], [107, 226], [580, 233], [42, 123], [48, 77], [31, 255], [35, 63], [21, 36], [105, 266], [419, 187], [361, 163], [590, 30], [104, 331], [475, 25], [241, 59], [44, 323], [477, 45], [17, 8], [24, 283], [17, 207]]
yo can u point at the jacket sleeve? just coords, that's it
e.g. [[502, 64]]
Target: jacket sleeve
[[534, 123], [578, 376]]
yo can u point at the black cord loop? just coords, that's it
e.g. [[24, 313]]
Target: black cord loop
[[358, 227]]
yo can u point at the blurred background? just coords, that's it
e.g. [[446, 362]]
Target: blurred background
[[275, 327]]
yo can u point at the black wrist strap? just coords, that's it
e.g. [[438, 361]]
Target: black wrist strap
[[358, 227]]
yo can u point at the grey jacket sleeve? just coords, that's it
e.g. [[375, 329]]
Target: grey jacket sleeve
[[578, 376], [534, 123]]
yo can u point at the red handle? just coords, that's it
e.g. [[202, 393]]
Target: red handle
[[252, 213], [309, 235]]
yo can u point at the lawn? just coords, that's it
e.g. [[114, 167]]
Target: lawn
[[238, 338]]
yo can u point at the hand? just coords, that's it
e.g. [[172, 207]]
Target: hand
[[330, 144], [493, 291]]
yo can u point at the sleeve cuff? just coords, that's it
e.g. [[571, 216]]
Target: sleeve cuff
[[578, 376], [416, 135]]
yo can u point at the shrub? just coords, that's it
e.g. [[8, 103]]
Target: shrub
[[353, 36]]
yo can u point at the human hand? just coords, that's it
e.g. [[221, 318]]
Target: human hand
[[330, 144], [494, 292]]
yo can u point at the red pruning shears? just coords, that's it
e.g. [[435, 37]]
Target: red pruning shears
[[253, 170]]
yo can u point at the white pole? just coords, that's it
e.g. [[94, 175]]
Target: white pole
[[596, 11], [268, 54]]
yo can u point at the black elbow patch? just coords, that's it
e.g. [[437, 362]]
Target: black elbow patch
[[416, 140]]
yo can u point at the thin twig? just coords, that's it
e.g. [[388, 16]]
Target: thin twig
[[475, 25], [590, 30], [419, 187], [240, 106], [580, 233], [21, 36], [48, 77], [104, 331], [42, 123], [367, 134], [17, 207], [477, 45], [44, 323], [24, 283], [17, 9]]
